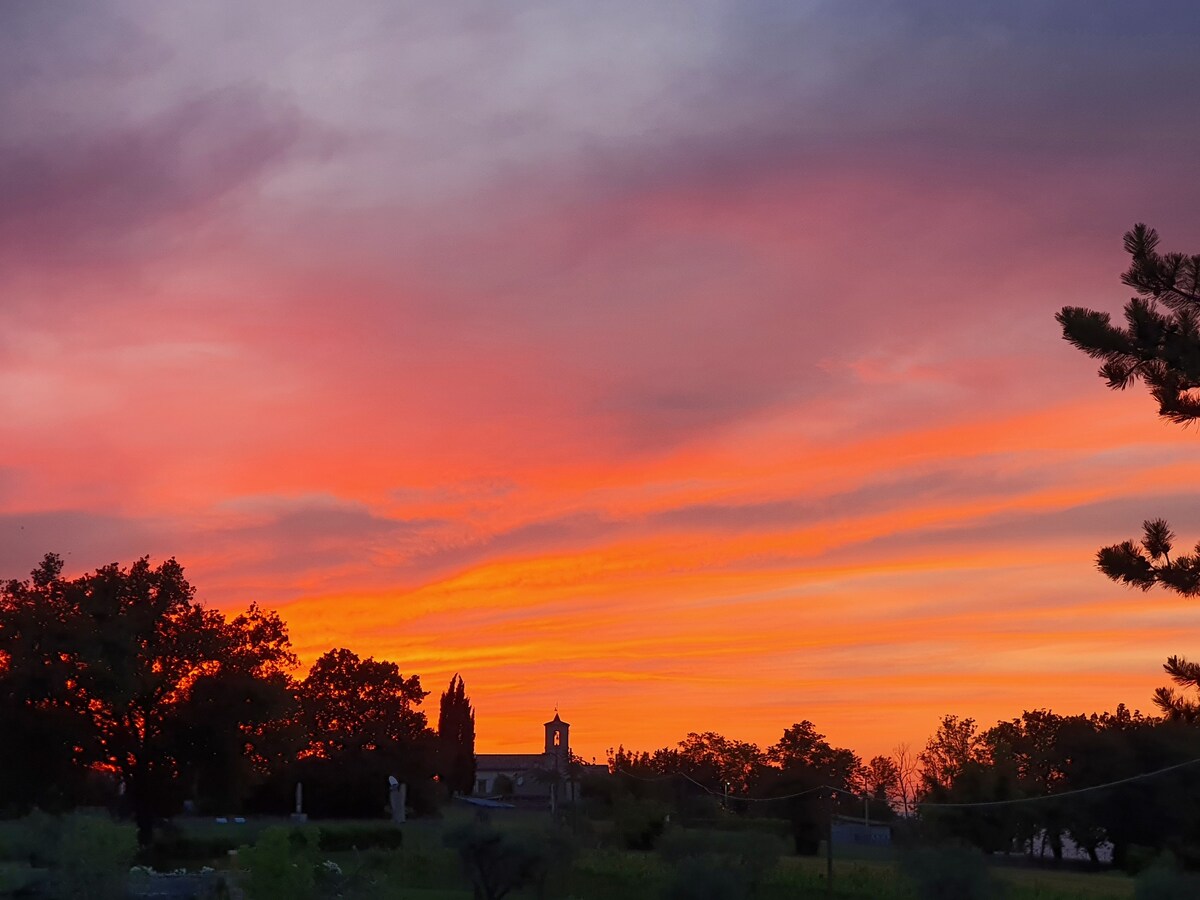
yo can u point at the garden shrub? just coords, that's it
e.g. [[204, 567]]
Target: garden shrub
[[748, 856], [950, 873], [19, 879], [639, 823], [32, 839], [499, 862], [281, 866], [171, 849], [1164, 881], [385, 835], [93, 858]]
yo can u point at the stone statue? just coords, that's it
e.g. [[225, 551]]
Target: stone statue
[[397, 797]]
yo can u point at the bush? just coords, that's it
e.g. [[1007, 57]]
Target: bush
[[32, 839], [281, 866], [171, 849], [1163, 881], [639, 823], [497, 862], [749, 857], [19, 879], [360, 837], [93, 859], [950, 873]]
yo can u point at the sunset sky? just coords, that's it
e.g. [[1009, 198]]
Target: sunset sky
[[691, 366]]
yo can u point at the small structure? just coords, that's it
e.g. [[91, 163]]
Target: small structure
[[299, 817], [397, 799], [855, 831]]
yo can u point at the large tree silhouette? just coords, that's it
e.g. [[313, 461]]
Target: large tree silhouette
[[1159, 345], [364, 725], [123, 668]]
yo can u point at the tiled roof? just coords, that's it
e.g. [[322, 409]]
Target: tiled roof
[[501, 762]]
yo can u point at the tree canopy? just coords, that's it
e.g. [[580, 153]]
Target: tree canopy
[[124, 668], [363, 725], [120, 684]]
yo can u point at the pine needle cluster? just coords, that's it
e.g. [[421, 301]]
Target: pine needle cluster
[[1160, 341]]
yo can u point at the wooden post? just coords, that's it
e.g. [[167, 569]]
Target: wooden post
[[829, 850]]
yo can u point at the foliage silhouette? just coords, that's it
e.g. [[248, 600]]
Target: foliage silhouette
[[363, 725], [1160, 345], [456, 739], [126, 667]]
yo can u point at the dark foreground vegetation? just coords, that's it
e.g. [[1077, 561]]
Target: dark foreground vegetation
[[519, 855]]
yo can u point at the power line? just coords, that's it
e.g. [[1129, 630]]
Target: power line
[[1084, 790], [741, 799], [981, 803]]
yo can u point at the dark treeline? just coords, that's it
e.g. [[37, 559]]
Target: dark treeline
[[1041, 779], [118, 688]]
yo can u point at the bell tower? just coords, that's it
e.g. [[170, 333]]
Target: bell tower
[[558, 747]]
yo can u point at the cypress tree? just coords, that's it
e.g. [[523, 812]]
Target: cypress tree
[[456, 738]]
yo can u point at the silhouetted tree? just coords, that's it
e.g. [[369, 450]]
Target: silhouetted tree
[[456, 738], [802, 746], [1155, 813], [803, 766], [48, 738], [1144, 565], [947, 753], [879, 780], [717, 761], [958, 768], [353, 704], [363, 725], [124, 664], [1160, 344], [1029, 749], [907, 778], [226, 762]]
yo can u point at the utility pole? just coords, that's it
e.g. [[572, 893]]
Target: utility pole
[[829, 850]]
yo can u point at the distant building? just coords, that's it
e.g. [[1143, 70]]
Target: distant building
[[533, 779], [853, 831]]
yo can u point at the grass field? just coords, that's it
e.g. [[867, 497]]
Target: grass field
[[423, 868]]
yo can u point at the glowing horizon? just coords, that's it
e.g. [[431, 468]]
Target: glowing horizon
[[714, 390]]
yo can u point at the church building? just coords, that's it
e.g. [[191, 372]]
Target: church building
[[532, 779]]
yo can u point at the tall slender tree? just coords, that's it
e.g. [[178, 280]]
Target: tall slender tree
[[456, 738]]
